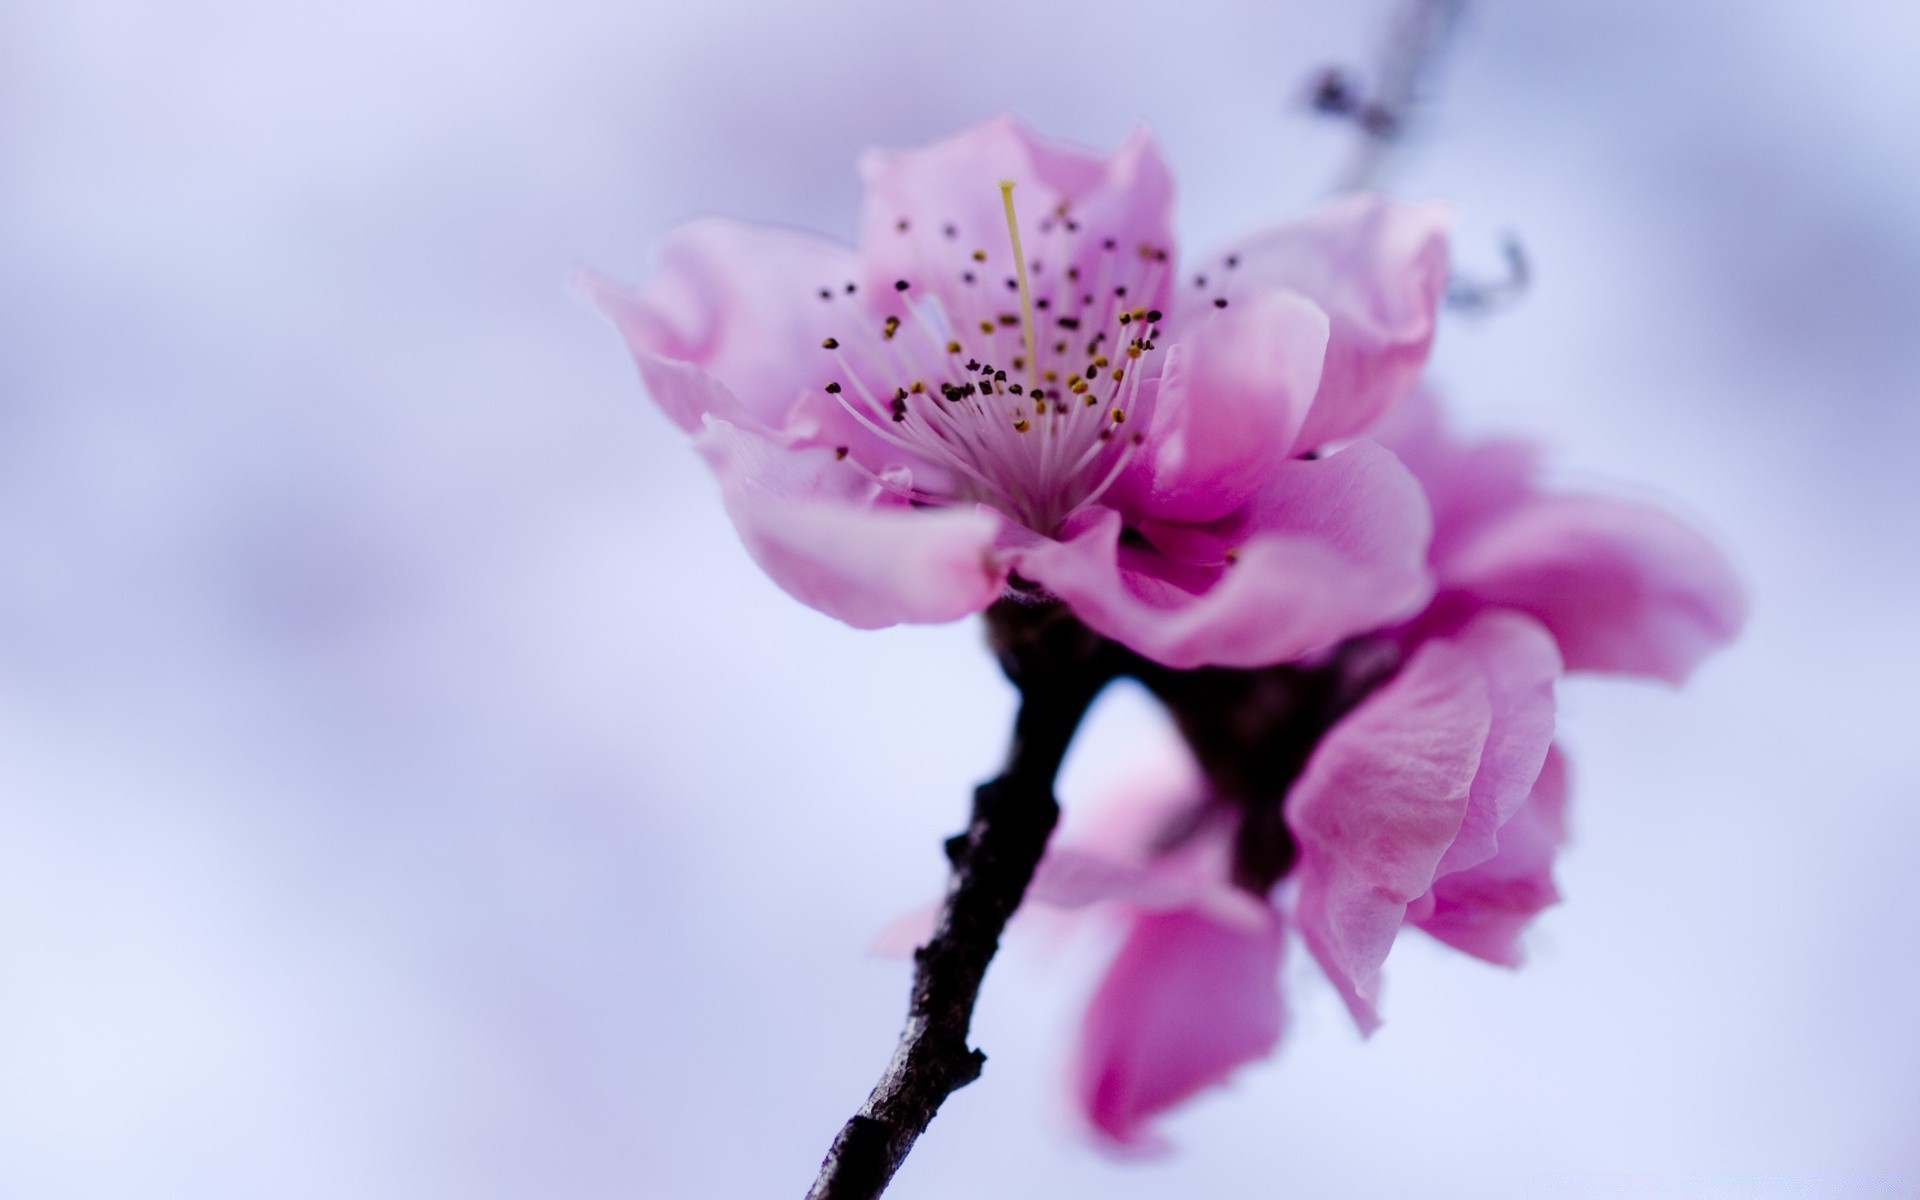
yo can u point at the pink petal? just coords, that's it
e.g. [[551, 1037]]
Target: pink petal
[[1484, 909], [740, 302], [1468, 485], [1185, 1002], [906, 933], [1126, 196], [1231, 399], [1622, 587], [817, 527], [1518, 660], [1378, 267], [1330, 548], [1379, 803]]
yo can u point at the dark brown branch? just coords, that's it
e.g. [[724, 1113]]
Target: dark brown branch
[[1059, 666]]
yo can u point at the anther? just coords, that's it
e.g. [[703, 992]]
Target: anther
[[830, 344], [1219, 301], [899, 285], [833, 389], [839, 452]]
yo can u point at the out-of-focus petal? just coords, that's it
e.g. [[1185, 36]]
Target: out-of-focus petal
[[1378, 267], [1125, 197], [1232, 396], [1071, 877], [742, 303], [1330, 548], [1483, 910], [1518, 660], [1468, 485], [1377, 806], [818, 528], [1185, 1002], [1622, 587]]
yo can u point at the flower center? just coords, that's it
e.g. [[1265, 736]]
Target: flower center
[[1021, 402]]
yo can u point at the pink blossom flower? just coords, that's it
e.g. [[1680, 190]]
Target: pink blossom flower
[[994, 385], [1438, 801]]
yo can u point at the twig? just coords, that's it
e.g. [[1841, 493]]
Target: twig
[[1407, 69], [1059, 666]]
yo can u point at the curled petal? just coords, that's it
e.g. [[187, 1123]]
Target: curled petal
[[1376, 808], [818, 528], [740, 302], [1330, 548], [1483, 909], [1232, 397], [1126, 196], [1378, 268], [1185, 1002], [1519, 663], [1622, 587], [1468, 485]]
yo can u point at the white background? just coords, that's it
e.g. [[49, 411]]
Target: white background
[[409, 789]]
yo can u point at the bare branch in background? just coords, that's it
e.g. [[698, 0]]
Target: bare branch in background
[[1483, 296], [1386, 113]]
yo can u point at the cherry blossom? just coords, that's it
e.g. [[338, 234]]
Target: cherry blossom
[[1009, 384], [1436, 801]]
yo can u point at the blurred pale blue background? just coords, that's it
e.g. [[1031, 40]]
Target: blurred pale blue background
[[409, 789]]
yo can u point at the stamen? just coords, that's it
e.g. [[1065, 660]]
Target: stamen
[[1020, 266]]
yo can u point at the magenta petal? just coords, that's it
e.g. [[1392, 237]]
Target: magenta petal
[[1622, 587], [1330, 548], [1484, 909], [953, 184], [813, 523], [1232, 396], [1185, 1002], [1468, 485], [1379, 803], [740, 302], [1519, 662], [1378, 267]]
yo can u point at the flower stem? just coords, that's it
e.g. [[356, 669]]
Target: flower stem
[[1059, 666]]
